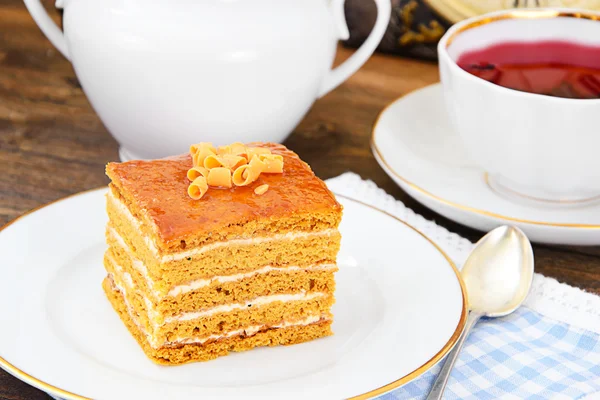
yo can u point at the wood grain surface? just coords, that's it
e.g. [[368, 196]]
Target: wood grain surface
[[52, 144]]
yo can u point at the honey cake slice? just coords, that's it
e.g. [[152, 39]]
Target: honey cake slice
[[235, 269]]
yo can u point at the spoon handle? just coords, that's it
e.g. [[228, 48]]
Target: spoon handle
[[437, 390]]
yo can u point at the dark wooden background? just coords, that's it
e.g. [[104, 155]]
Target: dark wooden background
[[52, 144]]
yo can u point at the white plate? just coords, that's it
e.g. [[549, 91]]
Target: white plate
[[400, 308], [416, 145]]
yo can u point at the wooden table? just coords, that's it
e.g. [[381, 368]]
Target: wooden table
[[52, 144]]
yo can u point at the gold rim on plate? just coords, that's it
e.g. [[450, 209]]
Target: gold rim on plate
[[48, 388], [455, 336], [451, 203]]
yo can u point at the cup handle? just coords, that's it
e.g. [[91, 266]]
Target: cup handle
[[342, 72], [47, 25]]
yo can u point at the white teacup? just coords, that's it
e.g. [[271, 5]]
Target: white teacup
[[163, 74], [541, 147]]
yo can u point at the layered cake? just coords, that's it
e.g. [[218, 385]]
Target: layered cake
[[223, 249]]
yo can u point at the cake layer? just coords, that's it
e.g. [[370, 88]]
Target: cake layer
[[225, 289], [314, 249], [264, 310], [156, 193], [292, 227], [173, 355]]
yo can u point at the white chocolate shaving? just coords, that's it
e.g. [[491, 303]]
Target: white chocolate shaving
[[197, 188], [219, 176], [273, 163], [199, 153], [262, 189], [256, 151], [202, 145], [195, 172], [234, 164]]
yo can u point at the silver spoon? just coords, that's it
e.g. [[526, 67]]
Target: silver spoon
[[498, 275]]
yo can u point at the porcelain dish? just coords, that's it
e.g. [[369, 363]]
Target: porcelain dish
[[400, 308], [415, 143], [159, 73]]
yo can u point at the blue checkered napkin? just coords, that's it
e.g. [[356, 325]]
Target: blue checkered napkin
[[522, 356], [549, 349]]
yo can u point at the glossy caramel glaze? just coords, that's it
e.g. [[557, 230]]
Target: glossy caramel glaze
[[158, 189]]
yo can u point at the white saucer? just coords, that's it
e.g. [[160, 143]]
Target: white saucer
[[400, 308], [415, 144]]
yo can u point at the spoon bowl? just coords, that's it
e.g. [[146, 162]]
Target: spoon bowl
[[499, 272]]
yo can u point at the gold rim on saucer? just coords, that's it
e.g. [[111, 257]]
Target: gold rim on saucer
[[503, 190], [458, 10], [450, 203], [48, 388]]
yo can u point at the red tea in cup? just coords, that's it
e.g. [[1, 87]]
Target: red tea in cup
[[552, 68]]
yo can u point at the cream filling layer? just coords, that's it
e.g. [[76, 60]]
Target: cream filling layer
[[198, 250], [257, 301], [200, 283], [248, 331], [157, 321]]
